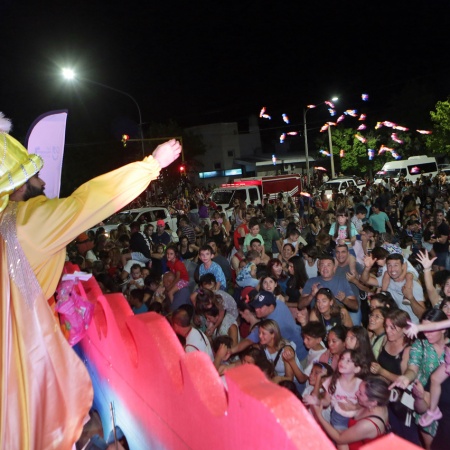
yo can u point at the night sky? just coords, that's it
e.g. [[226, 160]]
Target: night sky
[[201, 62]]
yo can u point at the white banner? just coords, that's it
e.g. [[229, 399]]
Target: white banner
[[46, 137]]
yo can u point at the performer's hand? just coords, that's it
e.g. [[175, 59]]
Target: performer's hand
[[167, 153]]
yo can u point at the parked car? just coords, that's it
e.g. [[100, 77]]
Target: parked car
[[144, 216], [341, 184]]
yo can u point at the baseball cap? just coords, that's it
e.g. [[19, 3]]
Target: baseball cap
[[264, 298], [160, 223]]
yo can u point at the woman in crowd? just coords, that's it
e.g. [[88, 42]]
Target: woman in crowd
[[311, 256], [274, 345], [275, 269], [187, 251], [287, 252], [336, 345], [425, 356], [297, 279], [369, 423], [434, 296], [270, 284], [328, 312], [376, 329], [358, 339]]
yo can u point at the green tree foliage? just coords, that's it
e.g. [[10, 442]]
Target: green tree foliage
[[439, 141]]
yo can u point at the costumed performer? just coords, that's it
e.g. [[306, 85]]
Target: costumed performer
[[46, 392]]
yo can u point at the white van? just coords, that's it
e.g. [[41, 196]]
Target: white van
[[411, 169]]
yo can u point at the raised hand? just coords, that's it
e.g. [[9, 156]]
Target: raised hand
[[167, 153], [412, 330], [425, 260], [369, 261]]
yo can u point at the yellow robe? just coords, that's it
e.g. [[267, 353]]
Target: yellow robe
[[45, 388]]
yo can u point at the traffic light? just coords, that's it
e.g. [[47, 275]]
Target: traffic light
[[125, 138], [182, 169]]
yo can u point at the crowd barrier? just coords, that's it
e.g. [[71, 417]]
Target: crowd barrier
[[163, 398]]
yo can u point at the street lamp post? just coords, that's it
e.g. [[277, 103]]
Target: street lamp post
[[333, 174], [305, 110], [69, 74]]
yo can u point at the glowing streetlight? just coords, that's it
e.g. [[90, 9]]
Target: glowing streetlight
[[305, 110], [69, 74]]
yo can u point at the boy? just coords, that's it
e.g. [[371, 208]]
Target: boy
[[208, 266], [254, 234], [247, 275], [136, 301], [358, 219]]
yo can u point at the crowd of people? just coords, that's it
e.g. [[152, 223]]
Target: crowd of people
[[343, 300]]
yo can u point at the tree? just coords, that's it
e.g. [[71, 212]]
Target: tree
[[439, 141]]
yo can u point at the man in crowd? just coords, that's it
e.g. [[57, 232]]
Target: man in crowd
[[271, 236], [338, 285], [397, 289], [46, 392], [379, 220], [161, 236], [185, 229], [195, 339], [268, 307], [440, 241]]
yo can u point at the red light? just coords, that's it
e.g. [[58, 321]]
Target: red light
[[182, 168], [125, 138]]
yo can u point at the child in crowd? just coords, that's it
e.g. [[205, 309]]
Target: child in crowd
[[343, 231], [206, 254], [295, 239], [313, 338], [177, 267], [136, 300], [358, 219], [247, 275], [341, 389], [221, 346], [136, 281], [314, 389], [253, 226]]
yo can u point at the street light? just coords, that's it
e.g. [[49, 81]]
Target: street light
[[69, 74], [305, 110]]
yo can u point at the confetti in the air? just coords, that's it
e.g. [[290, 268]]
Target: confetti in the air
[[332, 111], [282, 137], [285, 118], [362, 117], [340, 118], [330, 104], [324, 152], [342, 153], [324, 128], [424, 131], [395, 138], [361, 127], [371, 154], [400, 128], [365, 97], [351, 112], [361, 138], [311, 106]]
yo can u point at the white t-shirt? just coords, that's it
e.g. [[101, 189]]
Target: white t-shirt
[[197, 341], [342, 396], [395, 289]]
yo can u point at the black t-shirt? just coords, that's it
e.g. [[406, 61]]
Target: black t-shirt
[[139, 242], [442, 230]]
